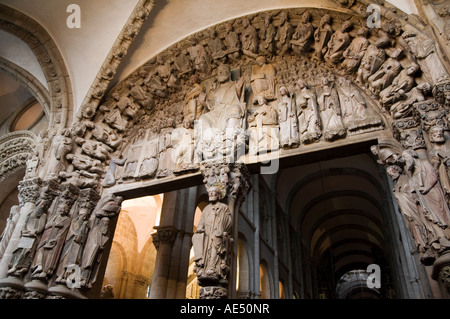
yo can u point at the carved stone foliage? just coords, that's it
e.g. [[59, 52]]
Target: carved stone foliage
[[18, 150]]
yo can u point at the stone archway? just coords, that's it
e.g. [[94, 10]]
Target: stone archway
[[222, 89]]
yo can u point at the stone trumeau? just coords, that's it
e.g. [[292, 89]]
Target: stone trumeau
[[260, 87]]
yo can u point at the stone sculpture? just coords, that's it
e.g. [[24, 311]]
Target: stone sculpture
[[303, 36], [330, 111], [307, 112], [263, 128], [211, 242], [263, 80], [338, 43], [287, 117]]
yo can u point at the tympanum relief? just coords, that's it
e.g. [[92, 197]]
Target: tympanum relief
[[276, 81], [201, 99]]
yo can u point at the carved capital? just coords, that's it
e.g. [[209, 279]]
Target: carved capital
[[431, 114], [409, 132], [29, 190], [213, 293], [231, 179], [88, 199], [441, 92], [164, 235]]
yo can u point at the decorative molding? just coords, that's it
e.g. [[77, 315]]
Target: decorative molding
[[114, 58], [50, 59]]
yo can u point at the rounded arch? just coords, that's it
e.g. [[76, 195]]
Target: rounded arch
[[59, 99], [245, 271], [117, 264], [266, 288]]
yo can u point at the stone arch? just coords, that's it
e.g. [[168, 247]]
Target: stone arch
[[266, 281], [58, 100], [245, 271], [160, 106]]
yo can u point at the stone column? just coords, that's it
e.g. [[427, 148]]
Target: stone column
[[12, 287], [163, 240], [441, 273], [215, 240]]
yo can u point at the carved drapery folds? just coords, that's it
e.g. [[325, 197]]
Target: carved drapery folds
[[199, 99], [273, 81]]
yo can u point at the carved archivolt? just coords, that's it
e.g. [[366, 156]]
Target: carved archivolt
[[16, 151], [302, 76], [51, 61], [276, 81]]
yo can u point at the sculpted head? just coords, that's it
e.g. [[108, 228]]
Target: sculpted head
[[437, 134], [223, 73], [214, 194]]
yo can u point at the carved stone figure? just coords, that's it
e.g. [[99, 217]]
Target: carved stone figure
[[303, 36], [402, 84], [355, 112], [110, 176], [212, 242], [96, 150], [330, 111], [371, 61], [408, 203], [385, 75], [85, 163], [267, 36], [440, 156], [199, 57], [98, 237], [115, 119], [49, 248], [62, 145], [195, 100], [287, 117], [223, 102], [263, 80], [321, 37], [126, 105], [338, 43], [231, 42], [263, 126], [307, 112], [72, 251], [95, 245], [216, 48], [424, 49], [165, 159], [181, 61], [249, 39], [11, 222], [403, 108], [284, 34], [355, 51], [183, 151], [164, 70], [30, 234], [427, 187]]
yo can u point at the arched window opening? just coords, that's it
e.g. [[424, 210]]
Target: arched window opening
[[132, 258]]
